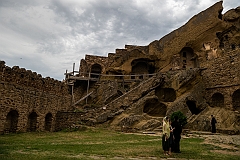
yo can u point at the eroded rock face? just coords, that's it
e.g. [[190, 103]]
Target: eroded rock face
[[194, 69], [198, 64]]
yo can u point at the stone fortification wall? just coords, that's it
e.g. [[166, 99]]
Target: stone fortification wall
[[29, 102]]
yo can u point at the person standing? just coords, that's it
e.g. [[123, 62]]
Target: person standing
[[166, 135], [213, 124], [171, 138], [177, 130]]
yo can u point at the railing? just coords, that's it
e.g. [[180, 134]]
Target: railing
[[97, 76]]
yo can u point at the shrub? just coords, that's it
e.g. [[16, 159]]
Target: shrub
[[182, 118]]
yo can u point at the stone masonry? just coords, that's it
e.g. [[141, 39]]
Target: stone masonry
[[29, 102]]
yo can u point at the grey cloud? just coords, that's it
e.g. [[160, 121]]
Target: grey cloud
[[20, 3], [113, 23], [61, 32]]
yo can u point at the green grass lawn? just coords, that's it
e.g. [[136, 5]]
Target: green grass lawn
[[98, 144]]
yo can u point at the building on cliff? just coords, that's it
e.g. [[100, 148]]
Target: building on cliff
[[194, 69]]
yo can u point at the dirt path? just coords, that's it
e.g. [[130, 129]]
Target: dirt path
[[228, 144]]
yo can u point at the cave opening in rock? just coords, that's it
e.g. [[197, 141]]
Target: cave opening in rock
[[11, 122], [192, 107], [32, 122], [217, 100], [48, 122], [155, 108], [165, 94], [142, 66]]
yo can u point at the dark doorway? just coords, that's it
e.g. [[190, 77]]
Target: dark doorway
[[48, 122], [141, 67], [11, 122], [32, 122], [96, 70], [217, 100], [236, 100], [192, 107]]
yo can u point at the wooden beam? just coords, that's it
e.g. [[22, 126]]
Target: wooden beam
[[83, 98]]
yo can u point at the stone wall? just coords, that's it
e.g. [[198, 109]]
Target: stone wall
[[223, 76], [90, 60], [29, 102], [67, 120]]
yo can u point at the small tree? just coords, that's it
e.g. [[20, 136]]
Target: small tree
[[182, 118]]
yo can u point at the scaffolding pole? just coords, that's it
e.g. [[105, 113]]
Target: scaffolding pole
[[89, 74]]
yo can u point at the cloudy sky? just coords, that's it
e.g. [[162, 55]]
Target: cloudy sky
[[48, 36]]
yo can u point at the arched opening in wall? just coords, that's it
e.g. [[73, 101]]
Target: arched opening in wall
[[217, 100], [192, 107], [11, 122], [165, 94], [188, 58], [48, 122], [32, 122], [142, 66], [113, 97], [155, 108], [96, 70], [236, 100]]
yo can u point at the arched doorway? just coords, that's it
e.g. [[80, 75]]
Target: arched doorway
[[32, 122], [11, 122], [96, 70], [188, 58], [217, 100], [155, 108], [236, 100], [192, 107], [142, 66], [48, 122]]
